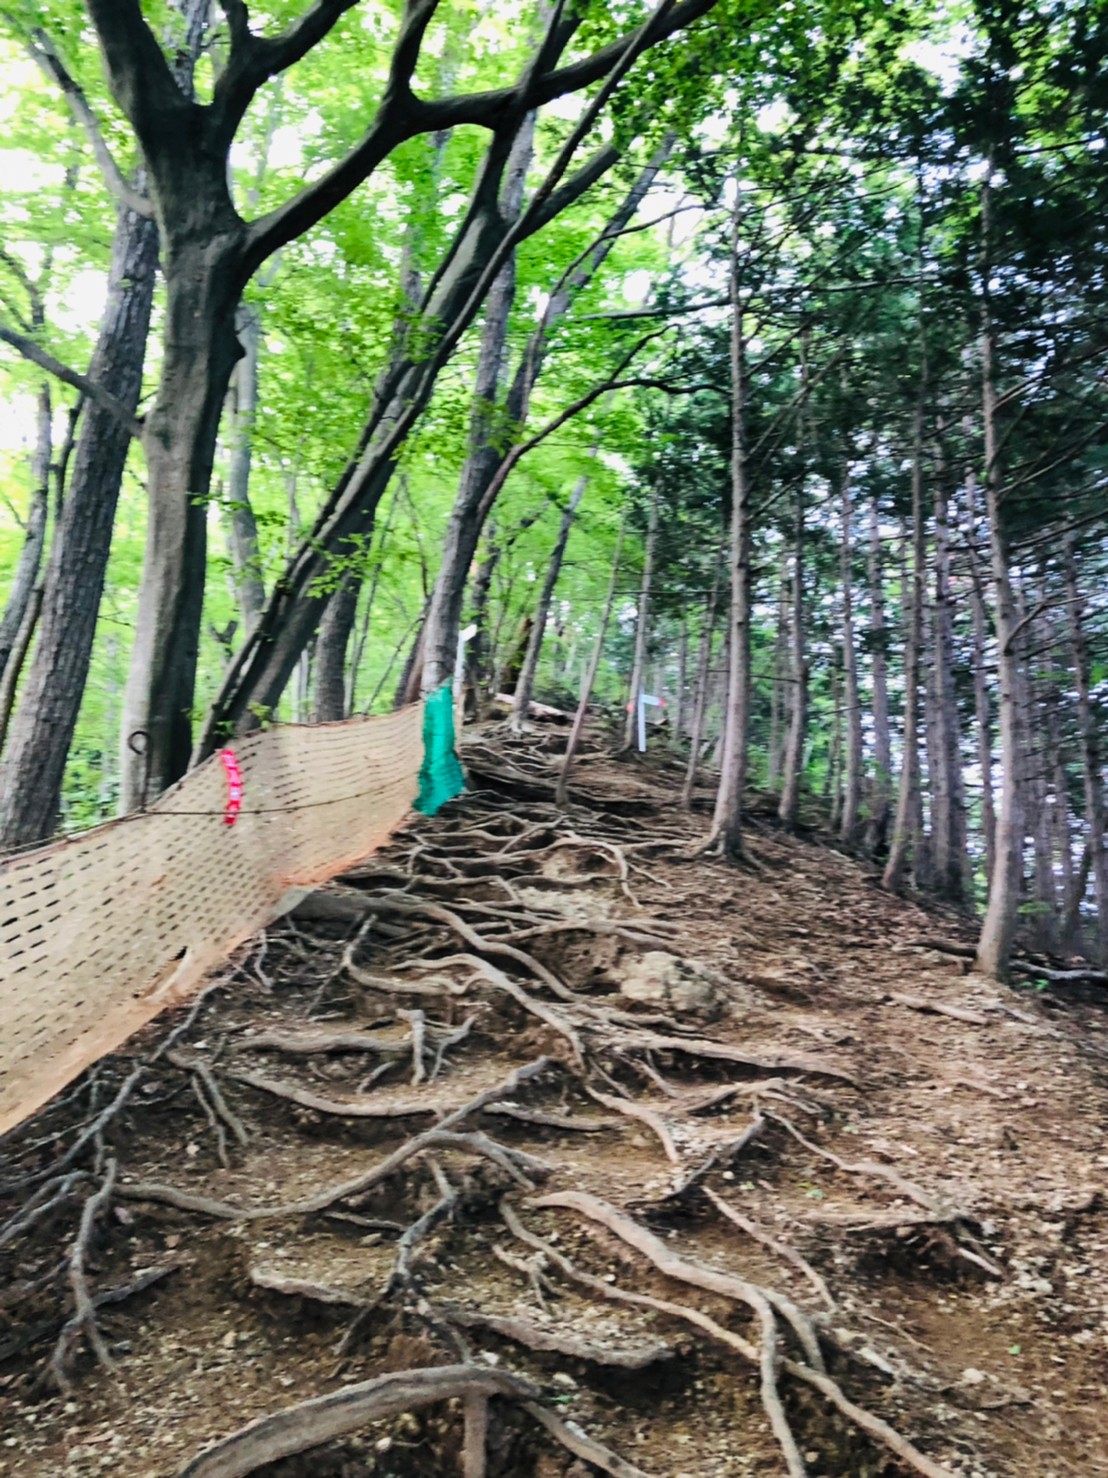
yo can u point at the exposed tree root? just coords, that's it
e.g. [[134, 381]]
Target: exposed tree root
[[782, 1250], [347, 1190], [309, 1424], [644, 1115], [627, 1356], [874, 1426], [581, 1445], [84, 1316], [940, 1008]]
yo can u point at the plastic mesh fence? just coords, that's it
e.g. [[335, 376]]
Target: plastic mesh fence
[[101, 931]]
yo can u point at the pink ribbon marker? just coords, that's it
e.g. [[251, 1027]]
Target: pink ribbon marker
[[234, 786]]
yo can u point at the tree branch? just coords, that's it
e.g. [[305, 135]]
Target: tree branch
[[402, 116], [140, 77], [42, 50], [255, 59], [95, 392]]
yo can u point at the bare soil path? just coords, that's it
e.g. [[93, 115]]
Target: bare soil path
[[734, 1169]]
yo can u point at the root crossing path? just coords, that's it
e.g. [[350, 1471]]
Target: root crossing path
[[542, 1147]]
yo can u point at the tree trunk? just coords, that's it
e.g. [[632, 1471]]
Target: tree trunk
[[242, 527], [41, 733], [21, 593], [852, 787], [727, 823], [906, 834], [9, 679], [789, 804], [778, 706], [1092, 773], [463, 530], [521, 702], [1002, 913], [642, 624], [332, 640], [477, 651], [682, 680], [561, 794], [981, 702], [878, 827], [835, 750], [948, 821], [700, 695], [467, 517]]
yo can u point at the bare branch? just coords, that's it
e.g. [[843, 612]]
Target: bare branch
[[95, 392], [42, 50]]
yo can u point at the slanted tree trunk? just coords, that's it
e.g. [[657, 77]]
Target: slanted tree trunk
[[881, 790], [998, 930], [642, 624], [906, 834], [462, 532], [852, 782], [727, 822], [486, 460], [700, 694], [521, 701], [561, 794], [789, 805], [42, 730], [21, 592], [1092, 772]]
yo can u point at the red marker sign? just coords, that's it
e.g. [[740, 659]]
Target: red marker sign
[[234, 786]]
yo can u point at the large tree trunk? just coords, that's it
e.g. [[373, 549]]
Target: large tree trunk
[[789, 804], [1092, 773], [21, 593], [572, 744], [852, 784], [521, 701], [906, 832], [34, 766], [879, 804], [642, 624], [1002, 913], [727, 823]]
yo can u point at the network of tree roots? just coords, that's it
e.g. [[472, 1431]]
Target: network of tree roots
[[542, 1146]]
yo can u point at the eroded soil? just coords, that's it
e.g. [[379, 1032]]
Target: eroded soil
[[927, 1188]]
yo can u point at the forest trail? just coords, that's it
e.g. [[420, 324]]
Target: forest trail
[[818, 1104]]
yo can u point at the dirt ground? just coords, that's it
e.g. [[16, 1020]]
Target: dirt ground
[[754, 1109]]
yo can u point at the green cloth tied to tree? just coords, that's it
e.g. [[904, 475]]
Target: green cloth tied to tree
[[441, 777]]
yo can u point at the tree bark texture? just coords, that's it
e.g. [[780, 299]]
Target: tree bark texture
[[852, 781], [789, 804], [642, 624], [877, 828], [34, 765]]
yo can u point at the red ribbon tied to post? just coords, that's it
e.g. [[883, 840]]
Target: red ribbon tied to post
[[234, 786]]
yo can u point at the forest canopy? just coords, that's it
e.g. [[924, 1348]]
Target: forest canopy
[[743, 354]]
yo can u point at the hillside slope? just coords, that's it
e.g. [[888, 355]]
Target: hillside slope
[[705, 1115]]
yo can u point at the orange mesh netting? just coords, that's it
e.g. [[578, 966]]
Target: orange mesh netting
[[101, 931]]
